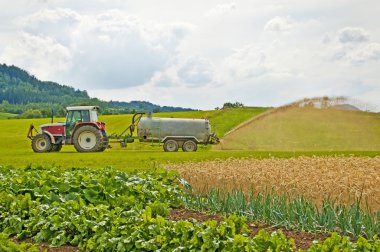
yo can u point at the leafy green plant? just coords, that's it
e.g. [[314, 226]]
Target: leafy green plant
[[6, 245], [340, 243]]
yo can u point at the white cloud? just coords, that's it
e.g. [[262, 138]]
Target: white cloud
[[191, 72], [363, 53], [196, 71], [221, 9], [110, 48], [279, 24], [246, 63], [42, 56], [352, 44], [353, 35], [48, 16], [55, 23], [166, 78]]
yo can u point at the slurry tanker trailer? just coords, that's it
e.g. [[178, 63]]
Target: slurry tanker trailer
[[83, 130]]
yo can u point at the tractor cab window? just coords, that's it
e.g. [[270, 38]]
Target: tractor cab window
[[75, 116], [94, 116], [85, 116]]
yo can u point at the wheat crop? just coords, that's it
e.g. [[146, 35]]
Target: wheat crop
[[341, 179]]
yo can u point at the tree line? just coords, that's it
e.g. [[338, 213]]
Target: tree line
[[25, 95]]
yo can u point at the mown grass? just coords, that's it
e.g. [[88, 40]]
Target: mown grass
[[310, 129]]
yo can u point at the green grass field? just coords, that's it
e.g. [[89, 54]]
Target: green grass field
[[16, 148], [4, 115], [308, 129]]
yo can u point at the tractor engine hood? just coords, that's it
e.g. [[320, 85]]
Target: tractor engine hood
[[53, 128], [52, 125]]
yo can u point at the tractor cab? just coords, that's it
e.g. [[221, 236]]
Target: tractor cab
[[79, 114]]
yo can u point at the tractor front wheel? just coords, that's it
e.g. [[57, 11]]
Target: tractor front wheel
[[87, 138], [41, 143]]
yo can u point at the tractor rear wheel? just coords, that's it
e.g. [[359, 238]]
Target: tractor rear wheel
[[87, 138], [41, 143], [170, 145], [189, 146], [105, 141]]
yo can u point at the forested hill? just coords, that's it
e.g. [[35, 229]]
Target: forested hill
[[19, 87], [23, 94]]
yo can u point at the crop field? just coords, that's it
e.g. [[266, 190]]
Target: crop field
[[109, 210], [317, 194], [301, 129], [341, 179]]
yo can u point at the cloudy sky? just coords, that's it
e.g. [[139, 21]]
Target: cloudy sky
[[198, 54]]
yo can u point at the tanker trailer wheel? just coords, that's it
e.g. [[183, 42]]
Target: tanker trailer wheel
[[41, 143], [87, 139], [170, 145], [189, 146]]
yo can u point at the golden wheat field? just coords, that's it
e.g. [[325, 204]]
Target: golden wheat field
[[344, 179]]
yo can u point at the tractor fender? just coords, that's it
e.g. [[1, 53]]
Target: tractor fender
[[99, 125], [50, 135]]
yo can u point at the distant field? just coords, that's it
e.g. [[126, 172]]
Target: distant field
[[308, 129], [16, 148], [6, 115]]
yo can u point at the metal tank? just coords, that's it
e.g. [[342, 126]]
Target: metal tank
[[176, 133]]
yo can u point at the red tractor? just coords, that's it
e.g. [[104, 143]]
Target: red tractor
[[81, 128]]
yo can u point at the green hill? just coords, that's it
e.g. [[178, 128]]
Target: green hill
[[6, 115], [303, 129], [23, 94]]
